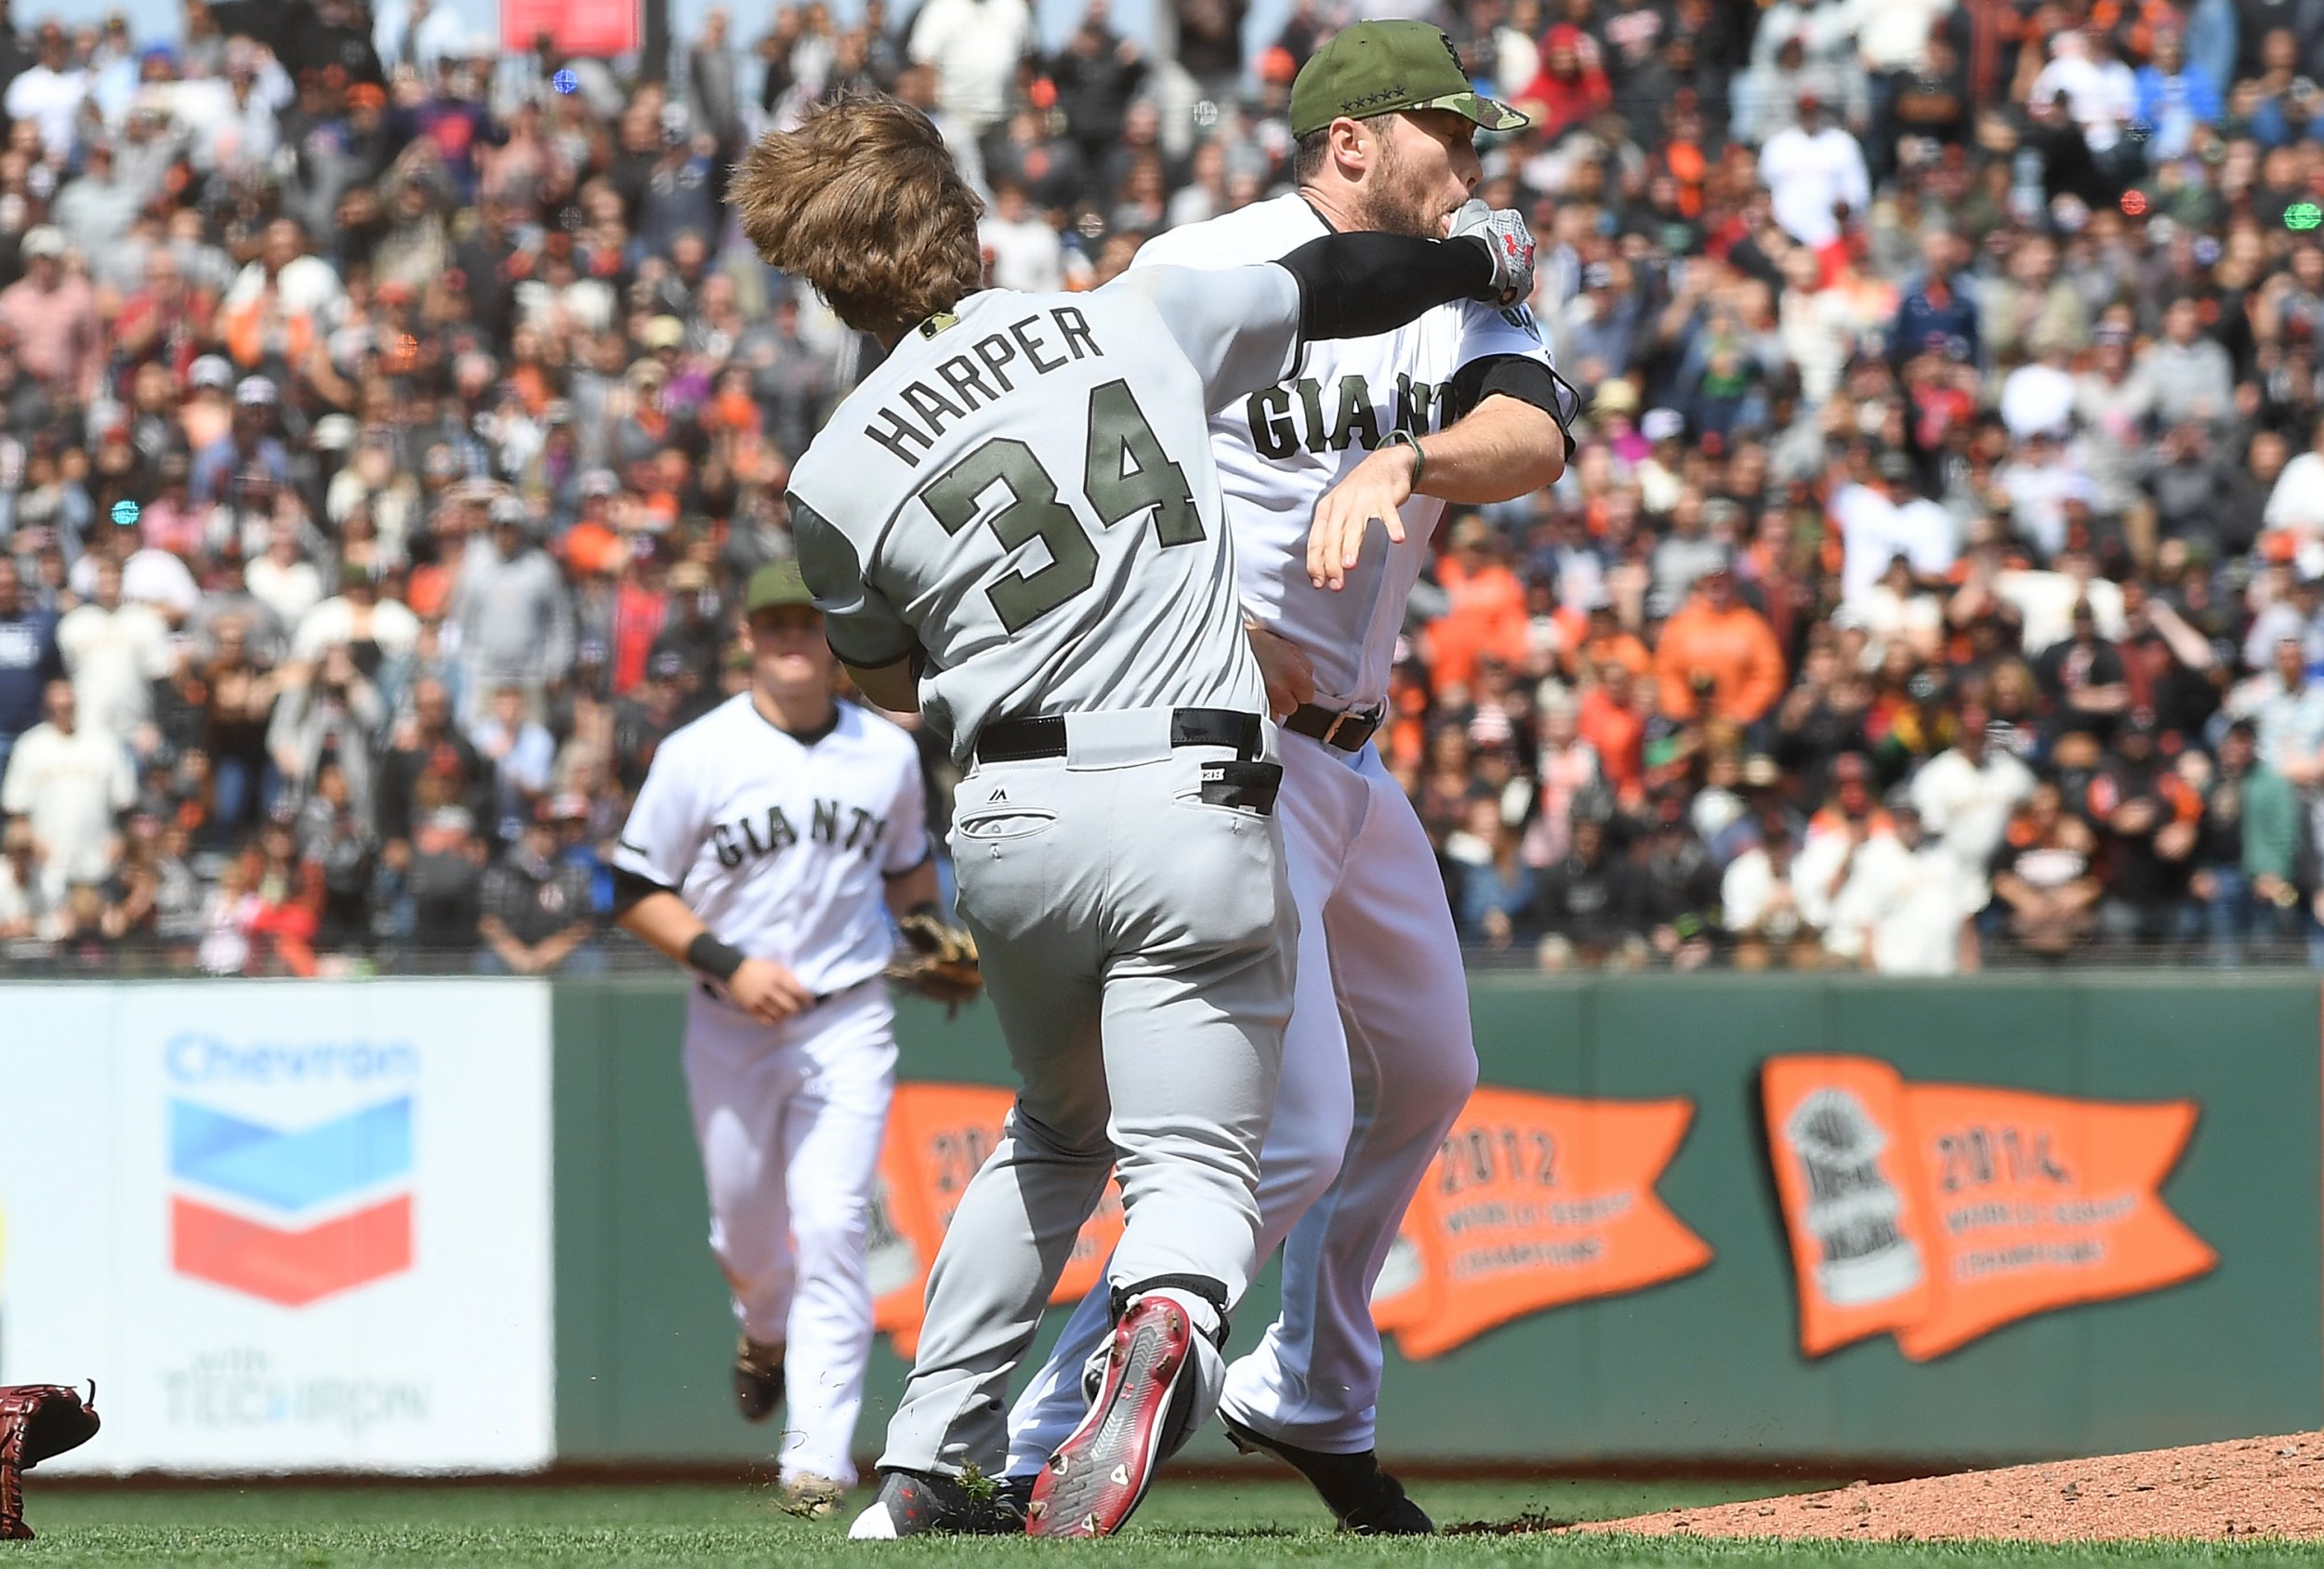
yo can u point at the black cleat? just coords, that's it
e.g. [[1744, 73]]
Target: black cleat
[[757, 1379], [922, 1504], [1016, 1492], [1363, 1497]]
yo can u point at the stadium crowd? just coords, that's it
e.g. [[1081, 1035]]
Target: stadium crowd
[[387, 425]]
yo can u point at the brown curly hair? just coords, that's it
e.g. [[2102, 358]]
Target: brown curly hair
[[865, 203]]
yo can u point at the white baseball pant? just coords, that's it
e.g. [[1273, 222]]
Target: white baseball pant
[[789, 1118], [1377, 1064]]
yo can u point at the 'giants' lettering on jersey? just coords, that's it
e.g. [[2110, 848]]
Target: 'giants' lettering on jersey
[[1295, 413], [967, 377], [835, 822]]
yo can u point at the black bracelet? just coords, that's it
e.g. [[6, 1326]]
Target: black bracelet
[[1420, 458], [716, 959]]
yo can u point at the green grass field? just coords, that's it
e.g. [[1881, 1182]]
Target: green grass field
[[1199, 1526]]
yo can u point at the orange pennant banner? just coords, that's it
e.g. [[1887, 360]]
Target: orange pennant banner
[[1533, 1202], [1939, 1212], [938, 1135]]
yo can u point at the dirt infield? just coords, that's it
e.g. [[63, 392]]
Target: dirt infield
[[2253, 1486]]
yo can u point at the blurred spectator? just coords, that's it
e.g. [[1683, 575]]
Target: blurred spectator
[[1903, 908], [975, 46], [1588, 904], [1964, 795], [2045, 875], [70, 782], [2248, 857], [520, 752], [535, 908], [1815, 172], [29, 660], [114, 651], [1760, 905], [514, 614], [1877, 524], [1717, 656]]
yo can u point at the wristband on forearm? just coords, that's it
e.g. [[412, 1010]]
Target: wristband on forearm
[[1420, 458], [716, 959]]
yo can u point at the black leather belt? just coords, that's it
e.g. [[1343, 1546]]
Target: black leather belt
[[1016, 740], [1347, 731], [715, 995]]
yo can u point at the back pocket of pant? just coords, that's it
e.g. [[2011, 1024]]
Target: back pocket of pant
[[986, 825]]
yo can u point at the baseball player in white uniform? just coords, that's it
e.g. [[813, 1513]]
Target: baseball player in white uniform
[[1459, 405], [1015, 522], [769, 840]]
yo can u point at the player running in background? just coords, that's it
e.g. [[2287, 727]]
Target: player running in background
[[768, 837], [1015, 523], [1461, 406]]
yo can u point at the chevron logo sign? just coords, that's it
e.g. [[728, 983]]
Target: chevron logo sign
[[290, 1216]]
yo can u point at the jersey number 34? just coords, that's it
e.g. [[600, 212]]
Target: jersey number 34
[[1125, 473]]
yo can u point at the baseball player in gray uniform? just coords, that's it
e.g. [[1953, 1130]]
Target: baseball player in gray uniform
[[766, 842], [1015, 523], [1461, 406]]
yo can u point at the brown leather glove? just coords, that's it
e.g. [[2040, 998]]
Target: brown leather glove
[[36, 1420], [940, 964]]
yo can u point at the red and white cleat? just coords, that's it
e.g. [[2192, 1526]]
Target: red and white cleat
[[1100, 1473]]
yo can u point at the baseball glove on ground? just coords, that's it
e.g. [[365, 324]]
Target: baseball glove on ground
[[940, 964], [36, 1420]]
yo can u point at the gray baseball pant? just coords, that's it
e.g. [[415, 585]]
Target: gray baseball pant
[[1139, 945]]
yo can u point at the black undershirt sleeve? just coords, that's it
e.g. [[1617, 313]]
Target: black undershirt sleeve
[[1359, 285], [1513, 375], [631, 888]]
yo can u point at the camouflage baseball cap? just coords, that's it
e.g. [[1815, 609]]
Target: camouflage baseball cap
[[774, 586], [1379, 67]]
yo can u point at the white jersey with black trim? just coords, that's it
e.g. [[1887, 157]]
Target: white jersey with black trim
[[784, 844], [1281, 448]]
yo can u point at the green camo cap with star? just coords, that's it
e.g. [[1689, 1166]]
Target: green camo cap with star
[[1379, 67]]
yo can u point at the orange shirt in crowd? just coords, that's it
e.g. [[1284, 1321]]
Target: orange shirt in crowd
[[1619, 734], [1613, 648], [1487, 617], [1732, 645]]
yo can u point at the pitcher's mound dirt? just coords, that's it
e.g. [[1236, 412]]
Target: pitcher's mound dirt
[[2253, 1486]]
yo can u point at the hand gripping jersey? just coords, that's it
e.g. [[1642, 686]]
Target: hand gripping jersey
[[782, 844], [1281, 448], [1026, 490]]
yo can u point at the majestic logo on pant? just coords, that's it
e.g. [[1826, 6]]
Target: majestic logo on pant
[[1293, 414], [290, 1216], [771, 832]]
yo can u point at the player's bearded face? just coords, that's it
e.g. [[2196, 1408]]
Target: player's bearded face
[[1426, 167]]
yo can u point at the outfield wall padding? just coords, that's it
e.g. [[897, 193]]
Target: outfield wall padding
[[1704, 1368]]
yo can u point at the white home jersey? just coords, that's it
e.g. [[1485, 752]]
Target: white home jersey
[[1281, 448], [784, 848], [1025, 489]]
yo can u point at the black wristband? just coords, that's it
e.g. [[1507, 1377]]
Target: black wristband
[[716, 959]]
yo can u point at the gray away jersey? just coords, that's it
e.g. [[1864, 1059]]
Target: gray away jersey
[[1025, 489]]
